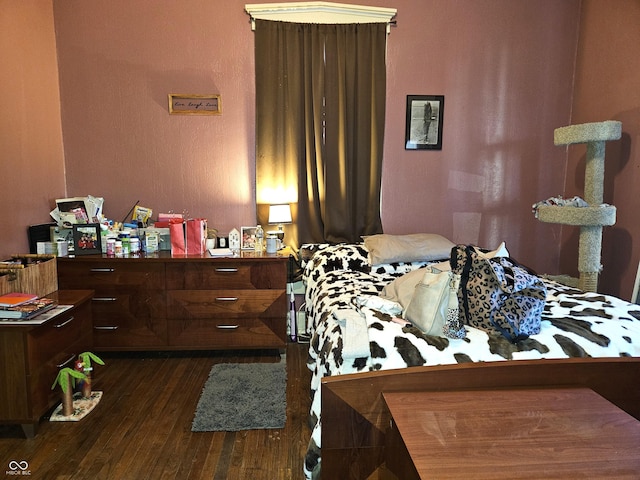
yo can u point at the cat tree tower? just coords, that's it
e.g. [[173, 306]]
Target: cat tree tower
[[595, 215]]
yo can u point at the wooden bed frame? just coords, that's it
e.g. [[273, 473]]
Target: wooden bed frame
[[355, 418]]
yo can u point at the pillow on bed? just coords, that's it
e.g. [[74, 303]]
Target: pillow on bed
[[415, 247]]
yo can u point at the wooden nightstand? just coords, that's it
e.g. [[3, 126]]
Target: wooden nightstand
[[31, 356], [507, 434]]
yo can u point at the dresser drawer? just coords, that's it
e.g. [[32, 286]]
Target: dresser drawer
[[227, 333], [118, 306], [225, 303], [129, 320], [103, 275], [43, 396], [226, 276], [52, 342]]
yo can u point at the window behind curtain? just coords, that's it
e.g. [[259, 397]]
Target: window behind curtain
[[320, 107]]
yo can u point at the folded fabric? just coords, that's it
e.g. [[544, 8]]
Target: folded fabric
[[356, 335], [381, 304]]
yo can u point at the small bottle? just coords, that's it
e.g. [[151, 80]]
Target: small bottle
[[134, 246], [111, 246], [259, 239], [124, 237]]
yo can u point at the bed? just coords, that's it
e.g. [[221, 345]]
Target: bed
[[358, 349]]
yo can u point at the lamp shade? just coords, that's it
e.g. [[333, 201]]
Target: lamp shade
[[279, 214]]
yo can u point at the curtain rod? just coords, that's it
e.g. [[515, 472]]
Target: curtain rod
[[320, 12]]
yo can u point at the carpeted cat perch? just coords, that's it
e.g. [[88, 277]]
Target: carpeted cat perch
[[592, 214]]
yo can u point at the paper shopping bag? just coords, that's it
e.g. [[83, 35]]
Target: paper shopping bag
[[196, 236], [178, 240]]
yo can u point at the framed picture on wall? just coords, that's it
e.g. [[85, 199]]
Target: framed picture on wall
[[247, 238], [423, 129], [86, 239], [188, 104]]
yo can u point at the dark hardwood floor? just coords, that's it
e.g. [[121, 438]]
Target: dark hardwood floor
[[141, 429]]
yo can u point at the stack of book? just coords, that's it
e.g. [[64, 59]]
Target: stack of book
[[23, 306]]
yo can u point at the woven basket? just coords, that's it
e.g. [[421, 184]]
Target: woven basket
[[39, 275]]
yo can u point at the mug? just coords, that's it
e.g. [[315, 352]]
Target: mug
[[273, 244]]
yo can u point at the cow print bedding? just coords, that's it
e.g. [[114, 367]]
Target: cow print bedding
[[340, 286]]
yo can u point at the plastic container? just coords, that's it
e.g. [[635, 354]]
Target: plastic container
[[134, 245], [111, 246], [152, 241]]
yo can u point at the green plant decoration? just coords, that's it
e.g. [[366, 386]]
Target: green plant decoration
[[65, 376], [85, 359]]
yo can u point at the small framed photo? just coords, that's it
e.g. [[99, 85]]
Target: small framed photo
[[247, 238], [187, 104], [424, 122], [86, 239]]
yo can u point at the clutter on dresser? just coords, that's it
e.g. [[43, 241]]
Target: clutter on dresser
[[81, 227]]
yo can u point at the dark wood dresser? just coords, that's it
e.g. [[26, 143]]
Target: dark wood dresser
[[184, 302]]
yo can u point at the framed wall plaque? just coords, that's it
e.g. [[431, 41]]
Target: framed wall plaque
[[186, 104]]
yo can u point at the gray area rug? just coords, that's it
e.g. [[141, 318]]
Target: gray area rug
[[243, 396]]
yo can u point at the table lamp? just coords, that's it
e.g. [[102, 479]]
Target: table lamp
[[279, 214]]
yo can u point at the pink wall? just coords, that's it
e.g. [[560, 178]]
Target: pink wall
[[608, 88], [32, 161], [119, 59], [504, 67], [506, 70]]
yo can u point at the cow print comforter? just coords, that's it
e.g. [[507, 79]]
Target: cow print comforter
[[339, 282]]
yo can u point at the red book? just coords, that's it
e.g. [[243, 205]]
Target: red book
[[28, 310], [14, 299]]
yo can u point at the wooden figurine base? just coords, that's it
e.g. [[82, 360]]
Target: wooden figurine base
[[81, 407]]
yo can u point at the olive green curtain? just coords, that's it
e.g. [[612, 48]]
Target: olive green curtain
[[320, 107]]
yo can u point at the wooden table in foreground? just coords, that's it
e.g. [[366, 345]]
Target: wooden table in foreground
[[525, 433]]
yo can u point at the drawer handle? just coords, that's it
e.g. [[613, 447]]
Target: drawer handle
[[104, 299], [60, 325], [226, 299], [107, 327], [103, 270], [226, 270], [227, 327], [70, 359]]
